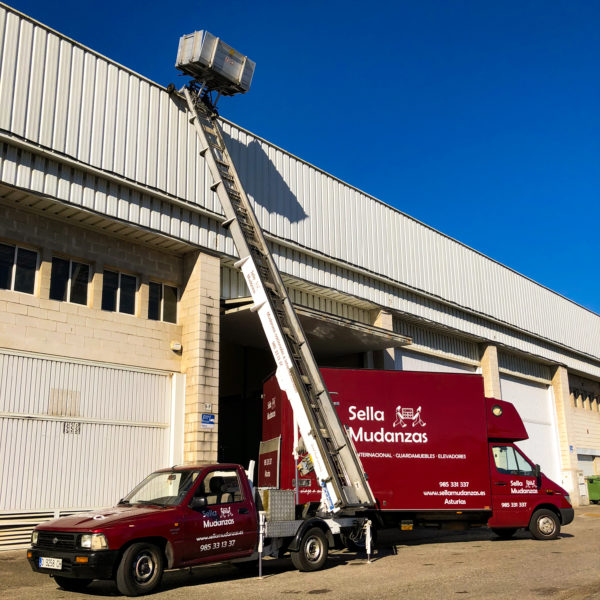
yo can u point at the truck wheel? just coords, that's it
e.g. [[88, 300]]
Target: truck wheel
[[504, 532], [544, 525], [71, 584], [140, 569], [312, 553]]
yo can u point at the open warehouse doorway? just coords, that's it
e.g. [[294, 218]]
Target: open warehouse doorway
[[246, 361]]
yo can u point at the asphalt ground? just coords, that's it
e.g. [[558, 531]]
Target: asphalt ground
[[412, 565]]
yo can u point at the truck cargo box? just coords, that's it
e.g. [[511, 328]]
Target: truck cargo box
[[421, 437]]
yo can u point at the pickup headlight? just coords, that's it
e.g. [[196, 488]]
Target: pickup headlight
[[568, 499], [34, 538], [93, 541]]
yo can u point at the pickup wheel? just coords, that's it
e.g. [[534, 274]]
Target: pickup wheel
[[140, 569], [505, 532], [312, 553], [71, 584], [544, 525]]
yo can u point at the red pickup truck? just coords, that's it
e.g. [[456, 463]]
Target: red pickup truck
[[181, 517]]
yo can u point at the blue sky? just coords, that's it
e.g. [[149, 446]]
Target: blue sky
[[479, 118]]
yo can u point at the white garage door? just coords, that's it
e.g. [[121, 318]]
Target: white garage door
[[585, 462], [535, 404], [77, 435], [413, 361]]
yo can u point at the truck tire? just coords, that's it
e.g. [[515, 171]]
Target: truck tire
[[544, 525], [72, 584], [312, 552], [504, 532], [140, 570]]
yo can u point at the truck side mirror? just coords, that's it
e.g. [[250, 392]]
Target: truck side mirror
[[198, 502], [538, 475]]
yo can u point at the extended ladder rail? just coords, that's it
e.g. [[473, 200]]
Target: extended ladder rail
[[335, 461]]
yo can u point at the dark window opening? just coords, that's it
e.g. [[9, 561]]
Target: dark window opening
[[59, 279], [162, 302], [17, 268], [154, 301], [118, 292], [25, 271], [69, 281], [80, 275], [127, 299], [7, 259], [110, 285]]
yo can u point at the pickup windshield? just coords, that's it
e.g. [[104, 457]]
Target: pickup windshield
[[162, 489]]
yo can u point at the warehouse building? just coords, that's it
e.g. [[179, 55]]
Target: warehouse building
[[126, 339]]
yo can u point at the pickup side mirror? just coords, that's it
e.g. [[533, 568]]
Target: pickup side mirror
[[198, 502], [538, 475]]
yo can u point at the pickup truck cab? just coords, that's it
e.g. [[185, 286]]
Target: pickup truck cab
[[176, 517]]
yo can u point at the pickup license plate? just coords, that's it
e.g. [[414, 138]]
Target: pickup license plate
[[50, 563]]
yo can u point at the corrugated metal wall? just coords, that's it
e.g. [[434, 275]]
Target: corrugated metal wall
[[96, 115], [438, 343], [59, 95], [64, 423], [512, 364]]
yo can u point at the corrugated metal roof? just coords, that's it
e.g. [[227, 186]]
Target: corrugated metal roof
[[100, 136]]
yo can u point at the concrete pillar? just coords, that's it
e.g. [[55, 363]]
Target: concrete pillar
[[568, 452], [490, 372], [200, 318], [384, 359]]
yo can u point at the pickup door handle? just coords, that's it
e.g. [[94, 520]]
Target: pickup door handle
[[500, 483], [243, 511]]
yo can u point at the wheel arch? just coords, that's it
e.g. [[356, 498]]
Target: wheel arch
[[160, 542], [294, 545], [546, 506]]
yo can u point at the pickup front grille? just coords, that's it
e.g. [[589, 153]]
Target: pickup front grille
[[56, 540]]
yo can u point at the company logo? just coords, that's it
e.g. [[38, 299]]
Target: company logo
[[210, 514], [403, 416], [218, 523], [408, 414], [55, 540]]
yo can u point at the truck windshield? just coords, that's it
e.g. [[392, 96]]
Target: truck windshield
[[162, 488]]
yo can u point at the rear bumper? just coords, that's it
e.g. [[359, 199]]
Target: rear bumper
[[566, 515], [100, 565]]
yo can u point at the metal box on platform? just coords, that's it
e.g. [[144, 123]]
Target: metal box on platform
[[210, 60]]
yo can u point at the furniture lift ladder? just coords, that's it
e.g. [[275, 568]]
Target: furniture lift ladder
[[336, 463]]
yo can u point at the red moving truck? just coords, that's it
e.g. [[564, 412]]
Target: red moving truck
[[435, 449]]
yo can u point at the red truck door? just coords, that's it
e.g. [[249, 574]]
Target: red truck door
[[220, 521], [514, 486]]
